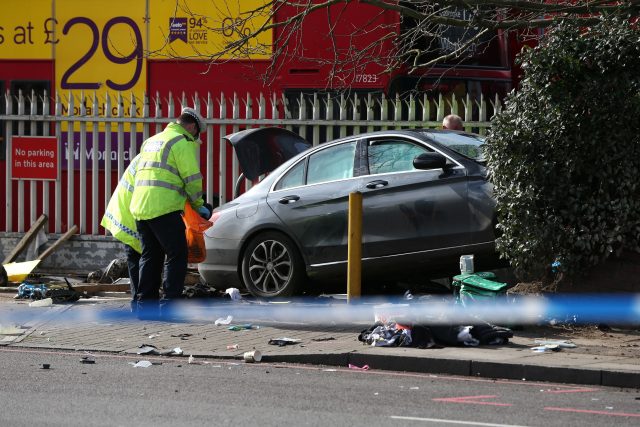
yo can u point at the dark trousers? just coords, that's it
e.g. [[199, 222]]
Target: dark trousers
[[160, 237], [133, 264]]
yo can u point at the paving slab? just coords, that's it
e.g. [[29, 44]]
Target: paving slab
[[332, 345]]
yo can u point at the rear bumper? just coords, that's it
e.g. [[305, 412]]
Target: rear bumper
[[220, 276], [221, 267]]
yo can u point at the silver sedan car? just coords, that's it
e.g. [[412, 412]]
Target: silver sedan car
[[426, 201]]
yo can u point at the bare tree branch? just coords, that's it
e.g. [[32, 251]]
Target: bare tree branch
[[417, 38]]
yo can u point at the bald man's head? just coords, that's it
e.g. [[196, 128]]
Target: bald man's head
[[452, 122]]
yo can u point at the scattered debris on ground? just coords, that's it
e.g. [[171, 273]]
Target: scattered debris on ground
[[57, 292], [153, 350], [200, 290], [47, 302], [89, 360], [392, 334], [223, 321], [243, 327], [281, 342], [358, 368], [234, 294], [116, 269], [253, 356]]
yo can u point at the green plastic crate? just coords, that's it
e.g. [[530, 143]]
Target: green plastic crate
[[477, 286], [457, 280], [481, 284]]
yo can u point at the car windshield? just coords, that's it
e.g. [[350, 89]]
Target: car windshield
[[469, 145]]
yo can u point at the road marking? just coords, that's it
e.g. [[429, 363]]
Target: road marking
[[577, 390], [468, 423], [446, 377], [588, 411], [471, 399]]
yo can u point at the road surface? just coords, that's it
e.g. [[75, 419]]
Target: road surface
[[173, 392]]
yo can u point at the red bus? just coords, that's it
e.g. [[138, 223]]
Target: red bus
[[160, 47]]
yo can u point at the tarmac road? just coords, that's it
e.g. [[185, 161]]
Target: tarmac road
[[172, 392]]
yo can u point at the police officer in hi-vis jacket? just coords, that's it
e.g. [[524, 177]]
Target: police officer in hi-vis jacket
[[167, 175]]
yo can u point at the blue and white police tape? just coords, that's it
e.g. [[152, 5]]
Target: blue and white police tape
[[524, 310]]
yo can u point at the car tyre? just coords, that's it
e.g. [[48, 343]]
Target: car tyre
[[272, 266]]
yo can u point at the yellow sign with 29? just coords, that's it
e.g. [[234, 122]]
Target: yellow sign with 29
[[94, 48], [104, 47], [98, 50]]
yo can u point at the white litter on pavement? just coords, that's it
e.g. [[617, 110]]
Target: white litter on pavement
[[11, 330], [223, 321], [47, 302], [559, 343], [234, 293]]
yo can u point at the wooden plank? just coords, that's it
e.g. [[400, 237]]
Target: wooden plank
[[26, 239], [58, 242], [91, 288]]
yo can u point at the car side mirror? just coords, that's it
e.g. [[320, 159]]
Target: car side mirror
[[426, 161]]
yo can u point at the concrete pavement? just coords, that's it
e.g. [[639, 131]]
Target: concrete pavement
[[607, 359]]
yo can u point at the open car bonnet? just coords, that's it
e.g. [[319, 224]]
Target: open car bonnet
[[261, 150]]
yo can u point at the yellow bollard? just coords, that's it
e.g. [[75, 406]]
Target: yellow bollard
[[354, 247]]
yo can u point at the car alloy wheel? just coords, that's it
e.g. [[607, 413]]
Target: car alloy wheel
[[271, 266]]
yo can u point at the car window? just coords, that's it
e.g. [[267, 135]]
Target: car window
[[332, 163], [391, 155], [467, 144], [293, 178]]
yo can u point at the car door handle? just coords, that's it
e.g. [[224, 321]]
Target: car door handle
[[289, 199], [378, 183]]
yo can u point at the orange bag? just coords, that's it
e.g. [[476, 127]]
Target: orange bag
[[195, 227]]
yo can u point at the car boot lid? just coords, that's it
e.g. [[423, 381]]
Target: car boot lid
[[261, 150]]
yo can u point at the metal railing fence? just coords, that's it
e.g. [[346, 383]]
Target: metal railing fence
[[84, 187]]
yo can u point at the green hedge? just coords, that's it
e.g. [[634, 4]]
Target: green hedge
[[564, 154]]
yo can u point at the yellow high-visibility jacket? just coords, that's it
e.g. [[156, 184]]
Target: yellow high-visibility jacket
[[117, 217], [167, 174]]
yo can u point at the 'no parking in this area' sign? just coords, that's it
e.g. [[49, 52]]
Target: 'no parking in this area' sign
[[34, 157]]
